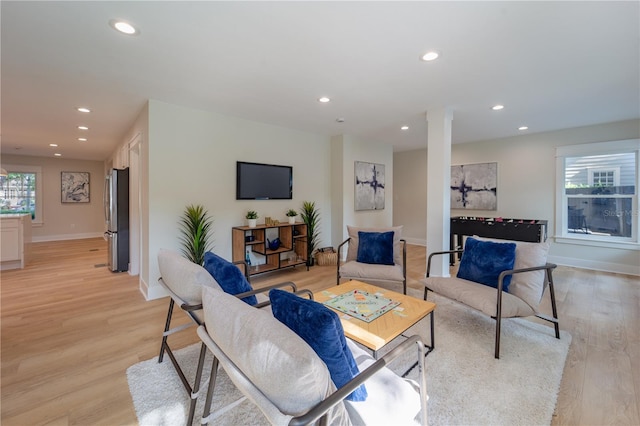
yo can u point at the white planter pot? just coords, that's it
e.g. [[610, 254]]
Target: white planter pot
[[252, 222], [292, 219]]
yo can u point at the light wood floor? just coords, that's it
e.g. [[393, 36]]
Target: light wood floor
[[70, 329]]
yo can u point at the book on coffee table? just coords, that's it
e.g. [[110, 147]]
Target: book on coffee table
[[362, 305]]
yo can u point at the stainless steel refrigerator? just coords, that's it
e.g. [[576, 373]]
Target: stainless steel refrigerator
[[116, 212]]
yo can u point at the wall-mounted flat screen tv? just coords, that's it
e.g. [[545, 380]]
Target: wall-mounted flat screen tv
[[255, 181]]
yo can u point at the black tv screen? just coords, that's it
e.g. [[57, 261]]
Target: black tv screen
[[255, 181]]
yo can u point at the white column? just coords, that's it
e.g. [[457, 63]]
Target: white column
[[438, 186]]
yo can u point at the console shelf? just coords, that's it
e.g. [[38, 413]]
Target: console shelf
[[292, 251]]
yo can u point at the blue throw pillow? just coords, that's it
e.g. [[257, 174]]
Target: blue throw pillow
[[320, 327], [375, 248], [482, 262], [228, 276]]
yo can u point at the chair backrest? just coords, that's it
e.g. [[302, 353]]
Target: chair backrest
[[183, 277], [352, 251], [528, 286], [267, 362]]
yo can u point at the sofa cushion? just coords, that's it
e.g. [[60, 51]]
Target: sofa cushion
[[228, 276], [483, 261], [392, 400], [184, 277], [276, 360], [375, 248], [352, 251], [528, 286], [364, 271], [480, 297], [320, 327]]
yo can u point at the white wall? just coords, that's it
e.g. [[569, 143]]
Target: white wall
[[192, 159], [526, 187], [66, 221], [346, 150]]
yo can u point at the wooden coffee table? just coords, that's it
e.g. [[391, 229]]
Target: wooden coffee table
[[382, 330]]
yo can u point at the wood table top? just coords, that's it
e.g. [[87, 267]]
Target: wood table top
[[377, 333]]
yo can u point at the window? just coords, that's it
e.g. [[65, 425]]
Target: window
[[597, 198], [21, 191]]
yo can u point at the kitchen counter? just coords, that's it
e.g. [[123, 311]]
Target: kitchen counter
[[15, 240]]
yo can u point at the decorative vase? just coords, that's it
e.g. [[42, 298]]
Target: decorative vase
[[252, 222], [292, 219]]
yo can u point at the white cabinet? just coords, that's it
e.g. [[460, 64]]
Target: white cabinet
[[15, 240]]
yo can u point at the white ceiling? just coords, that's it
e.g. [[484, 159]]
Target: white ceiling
[[553, 65]]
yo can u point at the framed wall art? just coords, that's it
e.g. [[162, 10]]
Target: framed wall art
[[75, 187], [369, 179], [474, 186]]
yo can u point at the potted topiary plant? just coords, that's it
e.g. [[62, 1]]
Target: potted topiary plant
[[195, 228], [291, 214], [252, 218], [311, 217]]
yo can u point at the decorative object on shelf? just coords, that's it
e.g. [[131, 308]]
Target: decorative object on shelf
[[252, 218], [311, 217], [74, 187], [474, 186], [271, 222], [369, 191], [195, 227], [273, 245], [291, 214]]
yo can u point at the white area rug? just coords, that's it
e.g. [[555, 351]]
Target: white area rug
[[465, 383]]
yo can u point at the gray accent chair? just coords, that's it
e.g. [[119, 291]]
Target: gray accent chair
[[531, 275], [351, 269], [287, 380], [183, 280]]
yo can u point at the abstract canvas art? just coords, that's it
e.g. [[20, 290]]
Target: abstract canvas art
[[75, 187], [369, 186], [474, 186]]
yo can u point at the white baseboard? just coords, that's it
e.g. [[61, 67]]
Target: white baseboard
[[152, 293], [65, 237], [595, 265]]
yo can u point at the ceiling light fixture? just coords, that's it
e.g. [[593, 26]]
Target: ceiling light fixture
[[83, 128], [324, 100], [340, 120], [83, 109], [523, 128], [82, 139], [57, 154], [123, 27], [430, 56], [497, 107], [53, 144], [404, 128]]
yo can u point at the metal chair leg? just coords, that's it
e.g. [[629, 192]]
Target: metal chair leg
[[167, 325]]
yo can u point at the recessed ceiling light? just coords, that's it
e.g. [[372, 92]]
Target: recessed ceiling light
[[83, 128], [523, 128], [53, 144], [83, 109], [82, 139], [430, 56], [123, 27], [497, 107], [324, 100], [404, 128], [340, 120], [57, 154]]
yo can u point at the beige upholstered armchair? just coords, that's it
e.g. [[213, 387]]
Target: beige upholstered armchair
[[374, 255], [501, 278]]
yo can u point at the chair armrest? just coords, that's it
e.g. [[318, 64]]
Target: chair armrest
[[339, 259], [245, 267], [439, 253], [294, 288], [335, 398], [548, 267]]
